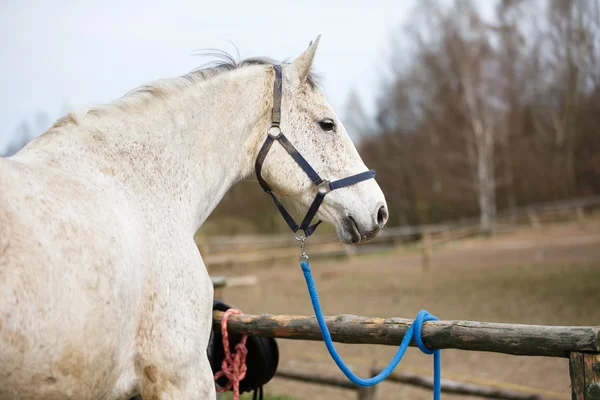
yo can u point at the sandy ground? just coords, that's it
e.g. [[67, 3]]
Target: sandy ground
[[549, 276]]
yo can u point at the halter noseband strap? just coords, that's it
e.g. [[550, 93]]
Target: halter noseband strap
[[324, 186]]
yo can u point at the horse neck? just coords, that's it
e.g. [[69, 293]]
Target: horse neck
[[183, 148]]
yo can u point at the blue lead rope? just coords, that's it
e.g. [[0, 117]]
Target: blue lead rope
[[413, 332]]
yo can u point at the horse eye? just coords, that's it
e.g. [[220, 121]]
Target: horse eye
[[327, 125]]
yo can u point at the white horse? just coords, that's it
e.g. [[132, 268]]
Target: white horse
[[103, 293]]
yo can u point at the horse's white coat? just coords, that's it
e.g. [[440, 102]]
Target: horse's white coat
[[103, 294]]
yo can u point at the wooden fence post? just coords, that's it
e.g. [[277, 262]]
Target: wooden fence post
[[397, 243], [427, 250], [584, 369], [350, 251], [366, 392], [533, 218], [580, 217], [219, 284]]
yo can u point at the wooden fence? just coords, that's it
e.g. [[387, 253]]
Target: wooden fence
[[248, 249], [579, 344], [368, 393]]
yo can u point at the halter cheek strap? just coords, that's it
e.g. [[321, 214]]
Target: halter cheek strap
[[323, 186]]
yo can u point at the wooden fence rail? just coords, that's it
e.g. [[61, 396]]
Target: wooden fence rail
[[447, 385], [455, 387], [515, 339], [581, 344], [245, 249]]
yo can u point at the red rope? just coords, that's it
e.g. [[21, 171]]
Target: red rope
[[233, 366]]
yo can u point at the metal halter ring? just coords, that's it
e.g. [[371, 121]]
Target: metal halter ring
[[274, 132], [323, 187]]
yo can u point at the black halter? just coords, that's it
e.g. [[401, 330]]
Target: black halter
[[324, 186]]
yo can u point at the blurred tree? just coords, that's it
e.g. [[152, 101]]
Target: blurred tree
[[480, 113]]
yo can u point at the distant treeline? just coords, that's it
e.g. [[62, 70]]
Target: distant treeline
[[480, 115], [474, 115]]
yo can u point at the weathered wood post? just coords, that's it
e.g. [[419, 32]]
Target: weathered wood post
[[533, 218], [427, 250], [219, 284], [397, 243], [580, 216], [584, 369], [366, 392], [350, 251]]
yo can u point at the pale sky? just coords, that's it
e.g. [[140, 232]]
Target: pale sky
[[79, 53]]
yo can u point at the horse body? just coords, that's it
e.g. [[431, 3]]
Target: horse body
[[103, 294], [56, 335]]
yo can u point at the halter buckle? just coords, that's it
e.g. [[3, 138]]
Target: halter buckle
[[302, 240], [274, 131], [323, 187]]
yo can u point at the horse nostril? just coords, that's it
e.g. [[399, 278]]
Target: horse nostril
[[382, 216]]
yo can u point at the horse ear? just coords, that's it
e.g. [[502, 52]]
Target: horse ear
[[304, 61]]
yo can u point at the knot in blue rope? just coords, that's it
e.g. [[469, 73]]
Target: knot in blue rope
[[413, 333]]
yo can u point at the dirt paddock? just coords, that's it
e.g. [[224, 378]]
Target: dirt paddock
[[549, 276]]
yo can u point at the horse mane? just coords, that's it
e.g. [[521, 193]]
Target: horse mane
[[222, 62]]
